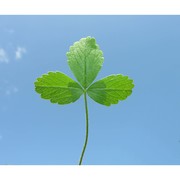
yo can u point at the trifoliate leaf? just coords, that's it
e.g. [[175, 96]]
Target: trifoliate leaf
[[58, 88], [111, 89], [85, 60]]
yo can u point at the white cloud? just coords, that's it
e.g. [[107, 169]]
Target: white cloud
[[19, 52], [11, 90], [15, 89], [3, 56], [7, 88], [8, 92], [10, 31]]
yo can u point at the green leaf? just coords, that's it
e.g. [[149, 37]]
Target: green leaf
[[111, 89], [58, 88], [85, 60]]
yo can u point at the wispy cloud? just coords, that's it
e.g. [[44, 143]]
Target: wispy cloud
[[8, 92], [10, 31], [15, 90], [3, 56], [12, 90], [19, 52], [7, 88]]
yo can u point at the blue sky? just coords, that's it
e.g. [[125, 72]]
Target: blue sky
[[144, 129]]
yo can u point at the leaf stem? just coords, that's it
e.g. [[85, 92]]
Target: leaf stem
[[87, 127]]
